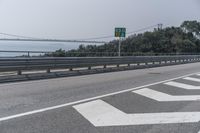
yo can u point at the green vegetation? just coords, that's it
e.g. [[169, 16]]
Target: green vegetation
[[183, 39], [192, 26]]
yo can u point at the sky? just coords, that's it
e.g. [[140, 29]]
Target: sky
[[74, 19], [80, 19]]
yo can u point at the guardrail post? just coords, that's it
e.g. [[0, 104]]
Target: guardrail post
[[117, 65], [70, 69], [129, 65], [104, 66], [19, 72], [28, 54], [48, 70], [89, 68]]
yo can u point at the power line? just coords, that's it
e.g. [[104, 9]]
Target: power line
[[112, 36], [142, 29]]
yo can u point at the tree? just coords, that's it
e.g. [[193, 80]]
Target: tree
[[167, 40], [59, 53]]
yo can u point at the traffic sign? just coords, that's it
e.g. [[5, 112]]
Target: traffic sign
[[120, 32]]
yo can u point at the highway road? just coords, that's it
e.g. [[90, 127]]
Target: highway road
[[155, 100]]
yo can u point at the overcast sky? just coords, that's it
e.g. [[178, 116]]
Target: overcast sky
[[74, 19]]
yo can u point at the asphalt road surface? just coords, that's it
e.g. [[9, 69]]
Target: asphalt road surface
[[155, 100]]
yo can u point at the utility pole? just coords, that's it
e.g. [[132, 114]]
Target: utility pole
[[160, 26]]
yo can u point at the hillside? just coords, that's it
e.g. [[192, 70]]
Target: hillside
[[183, 39]]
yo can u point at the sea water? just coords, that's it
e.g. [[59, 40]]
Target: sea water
[[33, 46]]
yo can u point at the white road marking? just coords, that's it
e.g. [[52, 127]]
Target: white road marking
[[102, 114], [163, 97], [182, 85], [192, 79], [84, 100]]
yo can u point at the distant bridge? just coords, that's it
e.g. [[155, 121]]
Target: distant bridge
[[51, 40], [14, 37]]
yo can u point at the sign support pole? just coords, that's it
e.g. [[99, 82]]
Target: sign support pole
[[119, 52]]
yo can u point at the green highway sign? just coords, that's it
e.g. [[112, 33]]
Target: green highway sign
[[120, 32]]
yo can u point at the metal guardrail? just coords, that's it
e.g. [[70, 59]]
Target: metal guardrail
[[48, 63]]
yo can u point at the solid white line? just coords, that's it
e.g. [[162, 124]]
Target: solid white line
[[84, 100], [192, 79], [182, 85], [102, 114], [163, 97]]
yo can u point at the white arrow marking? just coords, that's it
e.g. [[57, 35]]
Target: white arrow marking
[[163, 97], [192, 79], [182, 85], [102, 114]]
